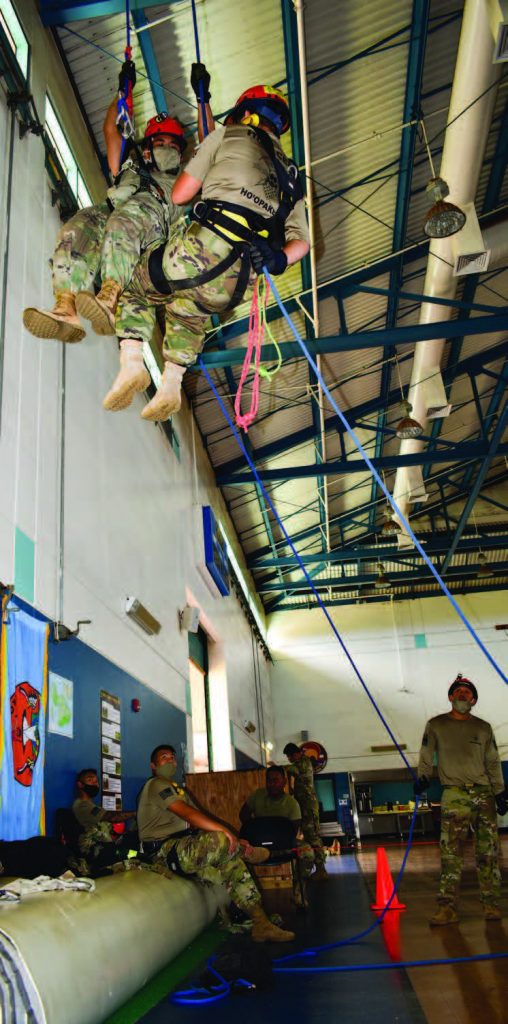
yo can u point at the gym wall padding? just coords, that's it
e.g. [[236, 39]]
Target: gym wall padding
[[81, 955]]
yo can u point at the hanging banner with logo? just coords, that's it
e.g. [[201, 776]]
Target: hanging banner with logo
[[23, 699]]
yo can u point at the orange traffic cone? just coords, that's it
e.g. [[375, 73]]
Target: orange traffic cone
[[384, 884]]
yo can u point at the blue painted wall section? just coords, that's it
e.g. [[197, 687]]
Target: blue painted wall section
[[158, 721]]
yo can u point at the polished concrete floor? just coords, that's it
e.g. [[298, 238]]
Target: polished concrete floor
[[340, 907]]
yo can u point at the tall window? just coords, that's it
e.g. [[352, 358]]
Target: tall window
[[66, 156], [15, 35]]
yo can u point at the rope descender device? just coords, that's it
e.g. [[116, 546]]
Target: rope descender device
[[125, 104]]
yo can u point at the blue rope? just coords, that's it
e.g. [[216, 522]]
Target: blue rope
[[127, 18], [302, 566], [380, 483], [198, 58], [391, 966], [314, 950]]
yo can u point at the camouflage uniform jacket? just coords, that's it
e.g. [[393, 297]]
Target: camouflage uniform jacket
[[466, 752]]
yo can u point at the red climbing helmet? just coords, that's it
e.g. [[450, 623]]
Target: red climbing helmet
[[266, 101], [163, 124]]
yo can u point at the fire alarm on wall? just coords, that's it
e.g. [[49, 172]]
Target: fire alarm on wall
[[135, 704]]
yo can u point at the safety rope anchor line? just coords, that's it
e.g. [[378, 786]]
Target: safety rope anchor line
[[381, 484]]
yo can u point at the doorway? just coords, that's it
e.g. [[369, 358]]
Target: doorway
[[200, 701]]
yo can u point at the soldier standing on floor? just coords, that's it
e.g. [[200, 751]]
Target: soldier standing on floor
[[301, 773], [470, 771]]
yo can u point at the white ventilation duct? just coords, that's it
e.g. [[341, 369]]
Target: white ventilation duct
[[463, 152]]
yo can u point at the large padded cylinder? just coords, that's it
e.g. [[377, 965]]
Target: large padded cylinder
[[75, 957]]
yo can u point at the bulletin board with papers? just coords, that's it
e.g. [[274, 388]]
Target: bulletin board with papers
[[111, 752]]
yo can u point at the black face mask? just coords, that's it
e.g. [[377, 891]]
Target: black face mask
[[89, 789]]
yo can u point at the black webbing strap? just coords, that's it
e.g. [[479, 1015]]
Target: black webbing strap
[[163, 285]]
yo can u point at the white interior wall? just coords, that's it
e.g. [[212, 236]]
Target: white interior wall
[[314, 686], [130, 507]]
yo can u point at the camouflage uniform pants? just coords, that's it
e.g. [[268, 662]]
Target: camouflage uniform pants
[[188, 253], [310, 827], [77, 257], [207, 856], [101, 847], [461, 808], [133, 226], [305, 855]]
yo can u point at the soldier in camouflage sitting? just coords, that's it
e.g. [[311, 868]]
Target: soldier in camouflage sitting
[[99, 843], [470, 772], [301, 776], [176, 833], [273, 802]]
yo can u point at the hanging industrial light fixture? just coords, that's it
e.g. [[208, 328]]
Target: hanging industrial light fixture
[[390, 527], [382, 579], [485, 569], [443, 219], [407, 427]]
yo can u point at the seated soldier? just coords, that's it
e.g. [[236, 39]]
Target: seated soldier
[[100, 843], [273, 802], [251, 215], [173, 831]]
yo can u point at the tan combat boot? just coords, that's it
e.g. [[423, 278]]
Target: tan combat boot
[[133, 376], [168, 398], [264, 931], [445, 914], [491, 912], [60, 322], [100, 309]]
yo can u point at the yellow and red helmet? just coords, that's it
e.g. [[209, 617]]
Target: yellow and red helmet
[[163, 124], [266, 101]]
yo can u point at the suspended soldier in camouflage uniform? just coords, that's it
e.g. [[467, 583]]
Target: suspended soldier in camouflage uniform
[[470, 770], [98, 842], [175, 832], [97, 244], [251, 211], [273, 802], [301, 774]]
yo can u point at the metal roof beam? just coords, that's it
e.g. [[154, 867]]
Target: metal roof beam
[[364, 340], [462, 452], [285, 444], [368, 536], [369, 578], [148, 53], [453, 303], [53, 12], [467, 587], [494, 448], [435, 545]]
